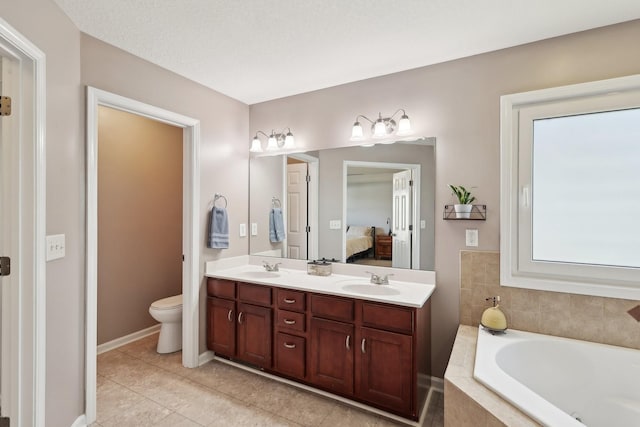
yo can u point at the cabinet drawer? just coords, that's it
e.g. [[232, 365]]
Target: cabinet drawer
[[290, 320], [329, 307], [290, 355], [390, 318], [254, 294], [290, 300], [221, 288]]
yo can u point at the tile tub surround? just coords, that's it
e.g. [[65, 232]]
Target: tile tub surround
[[588, 318], [137, 386], [467, 403]]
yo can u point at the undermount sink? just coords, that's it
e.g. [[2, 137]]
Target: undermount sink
[[261, 274], [366, 288]]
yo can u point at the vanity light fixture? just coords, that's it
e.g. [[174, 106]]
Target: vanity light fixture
[[275, 141], [382, 127]]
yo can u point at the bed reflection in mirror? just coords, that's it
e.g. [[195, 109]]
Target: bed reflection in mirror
[[366, 205]]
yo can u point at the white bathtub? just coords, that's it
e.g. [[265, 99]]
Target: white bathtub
[[557, 381]]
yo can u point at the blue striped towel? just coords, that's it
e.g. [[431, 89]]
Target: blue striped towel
[[218, 229]]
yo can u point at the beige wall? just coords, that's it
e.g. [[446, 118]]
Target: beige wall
[[139, 219], [457, 102], [44, 24], [224, 127]]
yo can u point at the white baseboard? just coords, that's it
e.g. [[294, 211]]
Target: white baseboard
[[119, 342], [437, 384], [81, 421], [205, 357]]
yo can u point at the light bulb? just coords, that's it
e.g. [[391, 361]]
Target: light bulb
[[256, 147]]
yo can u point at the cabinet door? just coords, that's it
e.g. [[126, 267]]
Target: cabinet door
[[254, 334], [385, 369], [290, 355], [331, 352], [221, 328]]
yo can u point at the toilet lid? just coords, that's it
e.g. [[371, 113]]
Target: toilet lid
[[167, 303]]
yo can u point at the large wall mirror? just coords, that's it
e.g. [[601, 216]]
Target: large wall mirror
[[365, 205]]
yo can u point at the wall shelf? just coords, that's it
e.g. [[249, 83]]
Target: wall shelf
[[478, 213]]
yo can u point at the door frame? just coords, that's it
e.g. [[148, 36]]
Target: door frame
[[415, 209], [190, 229], [313, 164], [24, 298]]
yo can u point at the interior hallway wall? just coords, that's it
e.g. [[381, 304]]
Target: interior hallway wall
[[458, 102], [139, 219]]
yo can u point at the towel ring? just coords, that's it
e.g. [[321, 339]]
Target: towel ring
[[219, 196], [275, 202]]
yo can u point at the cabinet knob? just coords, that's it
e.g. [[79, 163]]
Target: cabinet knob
[[362, 345], [347, 342], [230, 315], [289, 300], [289, 322], [240, 317], [287, 345]]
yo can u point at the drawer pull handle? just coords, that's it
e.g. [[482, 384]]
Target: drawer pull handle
[[287, 345], [290, 300], [289, 322], [362, 345], [240, 317], [230, 316], [347, 342]]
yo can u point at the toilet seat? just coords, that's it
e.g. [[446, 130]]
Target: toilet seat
[[168, 303]]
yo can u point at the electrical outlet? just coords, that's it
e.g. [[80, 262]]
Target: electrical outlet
[[254, 228], [243, 230], [55, 247], [472, 237]]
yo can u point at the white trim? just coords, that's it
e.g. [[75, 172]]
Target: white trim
[[206, 357], [437, 384], [119, 342], [312, 197], [81, 421], [27, 400], [190, 227]]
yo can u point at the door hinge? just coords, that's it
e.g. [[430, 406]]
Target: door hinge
[[410, 183], [308, 229], [308, 178], [5, 106], [5, 266]]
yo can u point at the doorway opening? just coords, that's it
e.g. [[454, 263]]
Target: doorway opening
[[190, 227]]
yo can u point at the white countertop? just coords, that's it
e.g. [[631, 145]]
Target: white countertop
[[405, 293]]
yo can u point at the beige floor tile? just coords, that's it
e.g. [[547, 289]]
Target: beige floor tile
[[141, 414], [345, 416], [269, 395], [307, 409], [114, 399], [176, 420], [249, 416]]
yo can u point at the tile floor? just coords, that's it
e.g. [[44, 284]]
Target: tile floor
[[139, 387]]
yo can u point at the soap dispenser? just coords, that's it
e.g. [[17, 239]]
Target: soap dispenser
[[493, 318]]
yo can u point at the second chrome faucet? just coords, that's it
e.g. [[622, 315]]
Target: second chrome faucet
[[378, 279]]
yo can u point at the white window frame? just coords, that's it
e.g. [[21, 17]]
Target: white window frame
[[518, 111]]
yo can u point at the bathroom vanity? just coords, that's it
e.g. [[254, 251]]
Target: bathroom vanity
[[369, 343]]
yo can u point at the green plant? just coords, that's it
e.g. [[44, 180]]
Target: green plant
[[464, 196]]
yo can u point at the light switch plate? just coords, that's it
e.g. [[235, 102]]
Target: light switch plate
[[335, 224], [55, 247], [423, 224], [254, 228], [243, 230], [472, 237]]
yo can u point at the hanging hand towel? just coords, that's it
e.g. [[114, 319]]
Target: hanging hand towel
[[218, 229], [276, 225]]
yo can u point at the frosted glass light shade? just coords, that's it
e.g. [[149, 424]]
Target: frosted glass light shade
[[404, 126], [356, 132], [289, 142], [272, 143], [256, 147], [379, 129]]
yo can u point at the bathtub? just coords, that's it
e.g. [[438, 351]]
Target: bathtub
[[560, 381]]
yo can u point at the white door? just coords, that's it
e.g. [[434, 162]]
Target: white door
[[297, 211], [401, 230]]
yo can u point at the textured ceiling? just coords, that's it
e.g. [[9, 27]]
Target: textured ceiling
[[257, 50]]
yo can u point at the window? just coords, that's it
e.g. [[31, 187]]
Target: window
[[570, 189]]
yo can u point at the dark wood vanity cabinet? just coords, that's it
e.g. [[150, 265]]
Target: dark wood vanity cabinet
[[239, 319], [367, 351]]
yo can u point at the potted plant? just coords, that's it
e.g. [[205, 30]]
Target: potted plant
[[464, 206]]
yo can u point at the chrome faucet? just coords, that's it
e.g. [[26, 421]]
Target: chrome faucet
[[271, 267], [378, 279]]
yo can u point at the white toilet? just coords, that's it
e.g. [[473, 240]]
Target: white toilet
[[168, 311]]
